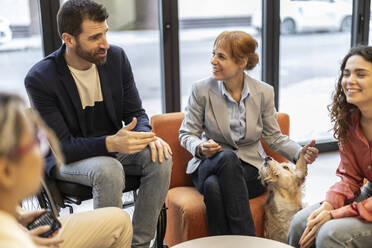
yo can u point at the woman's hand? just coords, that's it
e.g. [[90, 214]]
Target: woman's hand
[[51, 241], [209, 148], [314, 222], [26, 217], [310, 152]]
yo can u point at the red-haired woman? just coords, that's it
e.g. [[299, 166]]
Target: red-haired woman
[[225, 118]]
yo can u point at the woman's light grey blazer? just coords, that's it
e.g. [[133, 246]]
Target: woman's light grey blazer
[[206, 118]]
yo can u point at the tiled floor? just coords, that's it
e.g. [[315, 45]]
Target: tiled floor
[[321, 175], [88, 205]]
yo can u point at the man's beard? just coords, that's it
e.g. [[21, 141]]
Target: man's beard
[[91, 56]]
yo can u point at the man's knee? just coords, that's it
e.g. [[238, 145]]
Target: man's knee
[[164, 170], [108, 170], [164, 167]]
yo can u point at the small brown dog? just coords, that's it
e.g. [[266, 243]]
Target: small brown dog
[[285, 195]]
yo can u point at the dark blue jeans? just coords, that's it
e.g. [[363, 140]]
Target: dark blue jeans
[[227, 184]]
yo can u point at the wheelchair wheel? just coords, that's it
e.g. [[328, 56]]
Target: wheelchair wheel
[[129, 199], [41, 200]]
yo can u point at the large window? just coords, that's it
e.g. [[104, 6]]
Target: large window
[[20, 43], [315, 37], [198, 28], [133, 25]]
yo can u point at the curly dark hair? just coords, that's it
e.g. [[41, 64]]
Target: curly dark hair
[[340, 109], [72, 13]]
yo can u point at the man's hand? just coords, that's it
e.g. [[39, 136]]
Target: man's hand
[[209, 148], [128, 142], [314, 222], [51, 241], [310, 152], [161, 148]]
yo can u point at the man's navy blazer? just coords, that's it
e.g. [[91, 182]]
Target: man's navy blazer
[[53, 92]]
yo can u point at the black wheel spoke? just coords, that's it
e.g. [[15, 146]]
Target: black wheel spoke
[[41, 200]]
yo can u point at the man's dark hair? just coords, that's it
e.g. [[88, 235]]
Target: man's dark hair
[[73, 12]]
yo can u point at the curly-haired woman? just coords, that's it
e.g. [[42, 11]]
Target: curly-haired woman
[[225, 118], [344, 219]]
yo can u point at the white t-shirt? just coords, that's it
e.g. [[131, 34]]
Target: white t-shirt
[[88, 85], [11, 233]]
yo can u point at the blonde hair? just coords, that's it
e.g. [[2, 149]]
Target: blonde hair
[[240, 45], [12, 112], [10, 123]]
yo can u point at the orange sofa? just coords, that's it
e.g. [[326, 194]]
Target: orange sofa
[[186, 218]]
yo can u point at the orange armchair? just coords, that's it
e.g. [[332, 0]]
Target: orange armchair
[[186, 218]]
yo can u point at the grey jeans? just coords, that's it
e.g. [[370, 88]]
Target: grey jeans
[[343, 232], [106, 176]]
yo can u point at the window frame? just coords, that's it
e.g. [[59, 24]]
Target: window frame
[[170, 63]]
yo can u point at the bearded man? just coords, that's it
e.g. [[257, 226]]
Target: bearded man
[[84, 91]]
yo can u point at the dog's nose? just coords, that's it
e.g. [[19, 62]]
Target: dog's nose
[[268, 159]]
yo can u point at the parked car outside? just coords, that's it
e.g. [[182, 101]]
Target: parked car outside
[[311, 15], [5, 32]]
